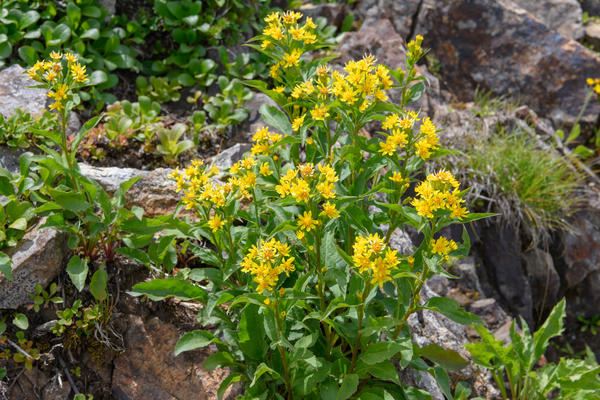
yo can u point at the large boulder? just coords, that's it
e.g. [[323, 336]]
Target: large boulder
[[149, 369], [498, 46], [400, 13], [15, 92], [38, 259], [562, 16]]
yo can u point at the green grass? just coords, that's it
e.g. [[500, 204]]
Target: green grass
[[529, 187]]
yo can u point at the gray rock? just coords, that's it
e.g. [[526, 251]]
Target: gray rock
[[225, 159], [563, 16], [429, 327], [592, 34], [591, 6], [489, 311], [38, 259], [110, 177], [401, 13], [501, 252], [15, 93], [400, 241], [500, 47], [9, 158], [154, 191], [543, 279]]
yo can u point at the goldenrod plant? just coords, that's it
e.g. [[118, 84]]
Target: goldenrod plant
[[310, 299]]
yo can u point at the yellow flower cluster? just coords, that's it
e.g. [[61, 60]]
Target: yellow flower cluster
[[199, 189], [264, 140], [428, 139], [439, 192], [57, 79], [305, 182], [414, 48], [243, 176], [595, 84], [372, 255], [283, 29], [266, 262], [443, 247], [399, 126], [363, 82]]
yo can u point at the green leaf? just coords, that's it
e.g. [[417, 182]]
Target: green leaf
[[194, 340], [76, 202], [348, 388], [92, 33], [415, 92], [98, 284], [5, 49], [77, 270], [29, 18], [260, 371], [6, 266], [97, 77], [134, 254], [60, 35], [251, 333], [443, 381], [553, 326], [20, 224], [381, 351], [276, 118], [160, 289], [451, 309], [230, 380], [28, 54], [218, 360], [21, 321], [449, 359]]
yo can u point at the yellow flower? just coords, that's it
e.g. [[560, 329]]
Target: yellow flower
[[297, 124], [50, 76], [266, 262], [291, 17], [388, 148], [291, 59], [307, 170], [273, 31], [274, 71], [265, 170], [55, 56], [329, 211], [369, 256], [71, 58], [391, 121], [397, 177], [443, 247], [273, 17], [319, 113], [216, 223], [78, 73], [309, 23], [306, 221], [279, 89]]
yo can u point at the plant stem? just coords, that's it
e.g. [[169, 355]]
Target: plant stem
[[286, 369], [361, 310]]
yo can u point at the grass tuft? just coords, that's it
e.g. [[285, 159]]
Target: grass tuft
[[529, 187]]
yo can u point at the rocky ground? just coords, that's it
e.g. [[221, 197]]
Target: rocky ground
[[524, 49]]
